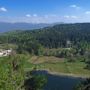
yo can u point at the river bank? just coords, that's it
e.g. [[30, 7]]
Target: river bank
[[59, 82], [67, 74]]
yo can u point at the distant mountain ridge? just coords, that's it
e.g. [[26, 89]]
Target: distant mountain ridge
[[5, 27]]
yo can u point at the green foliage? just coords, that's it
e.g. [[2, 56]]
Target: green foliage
[[13, 76], [84, 85], [40, 82], [11, 73], [35, 81], [30, 47], [88, 65]]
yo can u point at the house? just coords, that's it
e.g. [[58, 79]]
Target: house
[[5, 52], [69, 44]]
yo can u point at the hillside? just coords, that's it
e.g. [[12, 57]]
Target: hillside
[[52, 37]]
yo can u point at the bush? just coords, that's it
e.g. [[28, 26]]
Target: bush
[[84, 85]]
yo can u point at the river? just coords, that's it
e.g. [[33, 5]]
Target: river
[[59, 82]]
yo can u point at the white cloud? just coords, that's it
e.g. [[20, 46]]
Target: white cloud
[[75, 6], [41, 19], [3, 9], [28, 15], [71, 17], [67, 16], [50, 16], [46, 16], [74, 17], [34, 15], [87, 12]]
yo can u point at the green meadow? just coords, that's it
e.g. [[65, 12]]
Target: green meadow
[[58, 65]]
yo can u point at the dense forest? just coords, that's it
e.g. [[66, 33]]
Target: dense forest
[[52, 37], [76, 36]]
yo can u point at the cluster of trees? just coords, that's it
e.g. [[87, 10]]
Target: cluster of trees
[[30, 47], [65, 52], [11, 74], [14, 77], [83, 85]]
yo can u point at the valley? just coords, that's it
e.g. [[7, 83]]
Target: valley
[[60, 52]]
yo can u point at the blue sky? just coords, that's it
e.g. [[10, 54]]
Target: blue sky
[[45, 11]]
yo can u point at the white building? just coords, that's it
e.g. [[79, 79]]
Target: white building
[[5, 52]]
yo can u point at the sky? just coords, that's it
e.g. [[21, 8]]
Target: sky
[[45, 11]]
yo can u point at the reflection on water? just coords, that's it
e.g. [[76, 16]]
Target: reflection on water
[[59, 82]]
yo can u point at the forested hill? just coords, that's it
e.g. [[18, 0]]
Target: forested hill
[[52, 37]]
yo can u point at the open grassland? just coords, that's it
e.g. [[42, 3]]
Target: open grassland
[[59, 65]]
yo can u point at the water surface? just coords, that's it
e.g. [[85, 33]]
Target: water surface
[[59, 82]]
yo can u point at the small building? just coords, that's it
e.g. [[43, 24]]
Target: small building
[[5, 52], [69, 44]]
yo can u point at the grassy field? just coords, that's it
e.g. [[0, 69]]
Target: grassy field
[[53, 65], [59, 65]]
